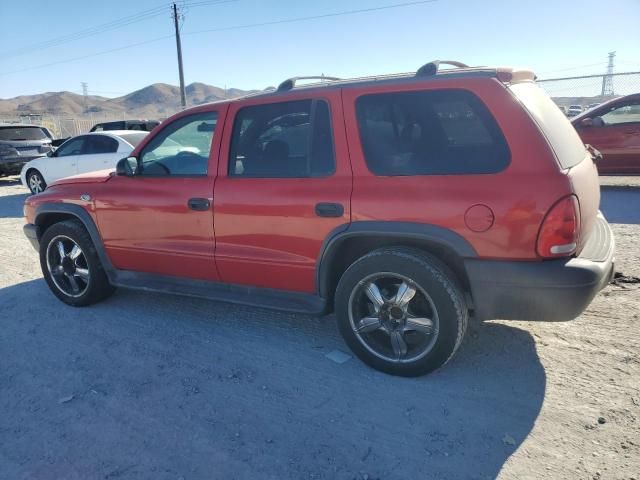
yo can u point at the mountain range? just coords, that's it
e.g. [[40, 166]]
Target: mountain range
[[154, 101]]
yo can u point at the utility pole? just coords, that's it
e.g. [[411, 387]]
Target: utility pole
[[607, 80], [85, 94], [183, 98]]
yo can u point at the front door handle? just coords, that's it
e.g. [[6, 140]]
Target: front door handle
[[199, 204], [329, 209]]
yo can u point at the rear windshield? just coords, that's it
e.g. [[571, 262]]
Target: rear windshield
[[22, 133], [555, 126], [134, 138], [108, 126]]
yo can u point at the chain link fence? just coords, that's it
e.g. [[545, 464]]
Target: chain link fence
[[585, 91], [589, 90], [60, 126]]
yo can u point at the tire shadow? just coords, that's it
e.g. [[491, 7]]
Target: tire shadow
[[195, 387]]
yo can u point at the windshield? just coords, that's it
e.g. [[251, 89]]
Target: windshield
[[133, 138], [555, 126], [22, 133]]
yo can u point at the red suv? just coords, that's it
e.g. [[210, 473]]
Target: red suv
[[613, 128], [405, 203]]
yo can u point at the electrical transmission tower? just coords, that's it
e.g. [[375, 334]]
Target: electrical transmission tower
[[607, 80], [85, 94]]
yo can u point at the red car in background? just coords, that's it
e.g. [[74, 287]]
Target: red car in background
[[613, 128]]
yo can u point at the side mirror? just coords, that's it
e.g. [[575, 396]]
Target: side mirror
[[592, 122], [127, 167]]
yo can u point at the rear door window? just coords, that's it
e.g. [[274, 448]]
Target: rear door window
[[283, 140], [96, 144], [431, 132]]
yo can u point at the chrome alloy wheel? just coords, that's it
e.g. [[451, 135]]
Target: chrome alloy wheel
[[68, 266], [35, 183], [393, 317]]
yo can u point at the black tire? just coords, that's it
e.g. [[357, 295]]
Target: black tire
[[433, 281], [34, 179], [90, 291]]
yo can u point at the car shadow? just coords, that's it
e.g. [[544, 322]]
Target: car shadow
[[621, 205], [11, 205], [9, 181], [195, 387]]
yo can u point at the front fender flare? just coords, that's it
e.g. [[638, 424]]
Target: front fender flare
[[81, 214]]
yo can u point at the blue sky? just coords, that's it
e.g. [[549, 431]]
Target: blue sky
[[551, 37]]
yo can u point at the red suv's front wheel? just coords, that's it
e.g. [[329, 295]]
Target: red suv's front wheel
[[401, 311], [71, 266]]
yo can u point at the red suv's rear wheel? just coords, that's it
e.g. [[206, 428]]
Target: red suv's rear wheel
[[401, 311]]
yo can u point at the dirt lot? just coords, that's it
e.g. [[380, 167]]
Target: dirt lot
[[154, 386]]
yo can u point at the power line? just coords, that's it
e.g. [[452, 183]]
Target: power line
[[86, 32], [577, 67], [82, 57], [235, 27], [312, 17], [105, 27]]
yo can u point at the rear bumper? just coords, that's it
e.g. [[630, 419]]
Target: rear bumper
[[551, 290], [13, 165], [33, 234]]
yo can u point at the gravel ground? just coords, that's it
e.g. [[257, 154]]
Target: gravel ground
[[162, 387]]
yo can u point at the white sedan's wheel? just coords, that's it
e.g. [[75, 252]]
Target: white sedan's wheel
[[36, 182]]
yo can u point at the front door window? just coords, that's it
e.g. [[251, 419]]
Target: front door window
[[182, 148]]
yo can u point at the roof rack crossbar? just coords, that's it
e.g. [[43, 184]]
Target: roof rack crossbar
[[289, 83], [431, 68]]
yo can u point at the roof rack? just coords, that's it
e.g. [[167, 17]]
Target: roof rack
[[289, 83], [431, 68]]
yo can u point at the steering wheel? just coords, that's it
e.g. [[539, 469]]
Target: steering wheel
[[150, 167], [188, 153]]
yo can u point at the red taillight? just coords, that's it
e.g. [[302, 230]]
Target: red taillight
[[560, 229]]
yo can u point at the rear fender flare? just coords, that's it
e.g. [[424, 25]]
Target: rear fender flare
[[389, 231]]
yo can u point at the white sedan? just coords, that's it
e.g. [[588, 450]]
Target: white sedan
[[81, 154]]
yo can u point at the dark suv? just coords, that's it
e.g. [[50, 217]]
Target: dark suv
[[143, 125], [404, 203], [19, 144]]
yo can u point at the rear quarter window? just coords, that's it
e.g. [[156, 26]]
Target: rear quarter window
[[430, 132], [553, 124]]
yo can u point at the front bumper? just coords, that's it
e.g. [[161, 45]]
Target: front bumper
[[32, 232], [551, 290]]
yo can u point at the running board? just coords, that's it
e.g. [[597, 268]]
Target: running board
[[257, 297]]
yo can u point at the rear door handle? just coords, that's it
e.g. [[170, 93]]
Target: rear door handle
[[199, 204], [329, 209]]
